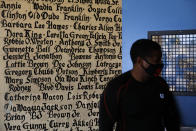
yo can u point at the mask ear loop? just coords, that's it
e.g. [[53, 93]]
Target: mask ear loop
[[161, 65], [157, 71], [147, 61]]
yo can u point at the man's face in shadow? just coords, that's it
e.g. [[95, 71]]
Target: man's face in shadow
[[152, 65]]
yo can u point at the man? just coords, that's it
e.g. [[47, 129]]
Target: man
[[139, 100]]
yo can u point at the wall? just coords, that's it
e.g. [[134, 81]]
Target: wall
[[56, 58], [140, 16]]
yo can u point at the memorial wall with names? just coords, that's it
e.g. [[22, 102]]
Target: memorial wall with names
[[56, 59]]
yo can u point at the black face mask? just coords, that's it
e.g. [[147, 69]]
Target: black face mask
[[153, 69]]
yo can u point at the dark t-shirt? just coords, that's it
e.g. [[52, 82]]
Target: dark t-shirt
[[137, 106]]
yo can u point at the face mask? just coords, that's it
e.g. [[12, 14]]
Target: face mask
[[153, 69]]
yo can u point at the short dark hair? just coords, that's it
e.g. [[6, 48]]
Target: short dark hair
[[143, 48]]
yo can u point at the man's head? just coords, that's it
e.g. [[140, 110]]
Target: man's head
[[146, 56]]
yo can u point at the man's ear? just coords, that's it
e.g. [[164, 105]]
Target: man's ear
[[139, 60]]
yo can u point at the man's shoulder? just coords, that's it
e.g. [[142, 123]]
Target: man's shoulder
[[163, 84], [161, 80], [115, 84], [120, 80]]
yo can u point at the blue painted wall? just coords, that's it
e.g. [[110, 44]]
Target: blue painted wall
[[141, 16]]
